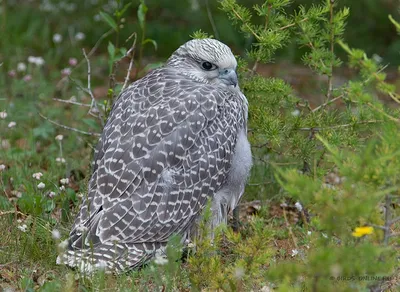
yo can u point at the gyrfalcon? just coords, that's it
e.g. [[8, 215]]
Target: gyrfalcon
[[174, 139]]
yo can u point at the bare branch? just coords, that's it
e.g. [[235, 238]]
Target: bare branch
[[388, 216], [71, 102], [2, 213], [377, 226], [293, 24], [92, 51], [69, 128], [93, 106], [289, 228], [395, 234], [131, 55], [316, 129], [397, 219], [328, 102], [383, 113], [332, 43], [211, 19]]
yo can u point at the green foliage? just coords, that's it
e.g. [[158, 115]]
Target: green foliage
[[230, 261], [336, 159]]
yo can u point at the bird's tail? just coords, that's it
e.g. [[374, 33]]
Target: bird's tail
[[111, 257]]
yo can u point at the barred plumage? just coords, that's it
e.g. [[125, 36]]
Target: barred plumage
[[173, 139]]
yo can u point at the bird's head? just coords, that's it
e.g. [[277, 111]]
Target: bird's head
[[206, 60]]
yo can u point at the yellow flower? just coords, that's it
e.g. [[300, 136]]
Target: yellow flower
[[361, 231]]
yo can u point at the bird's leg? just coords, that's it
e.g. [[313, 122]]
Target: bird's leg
[[236, 218]]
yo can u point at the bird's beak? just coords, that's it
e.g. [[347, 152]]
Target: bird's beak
[[228, 76]]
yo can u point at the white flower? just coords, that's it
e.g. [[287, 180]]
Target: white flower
[[60, 159], [59, 137], [12, 124], [64, 181], [309, 233], [32, 59], [295, 252], [160, 260], [57, 38], [101, 265], [2, 167], [239, 273], [97, 17], [189, 244], [52, 194], [324, 235], [81, 228], [295, 113], [3, 115], [5, 144], [21, 67], [38, 61], [16, 193], [23, 227], [41, 186], [37, 175], [378, 59], [80, 36], [298, 206], [63, 244], [55, 234], [62, 188]]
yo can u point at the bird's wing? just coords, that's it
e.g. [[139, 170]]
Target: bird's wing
[[166, 147]]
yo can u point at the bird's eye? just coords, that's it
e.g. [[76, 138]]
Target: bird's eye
[[207, 66]]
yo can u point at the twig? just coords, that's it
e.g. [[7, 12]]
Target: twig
[[69, 128], [89, 90], [2, 213], [332, 39], [293, 24], [382, 112], [92, 51], [328, 102], [111, 95], [395, 220], [211, 19], [377, 226], [245, 23], [260, 146], [71, 102], [253, 70], [260, 184], [289, 227], [130, 54], [339, 126], [388, 214]]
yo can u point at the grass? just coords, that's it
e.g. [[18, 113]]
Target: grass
[[44, 177], [32, 216], [44, 171]]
